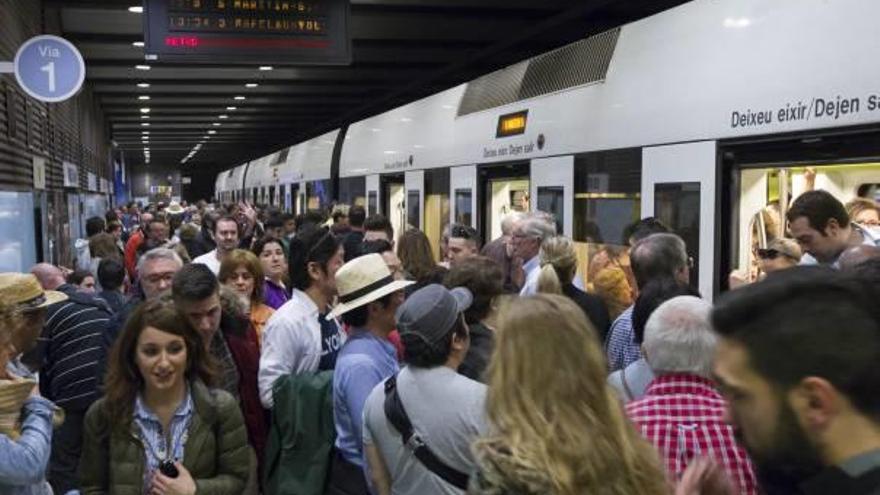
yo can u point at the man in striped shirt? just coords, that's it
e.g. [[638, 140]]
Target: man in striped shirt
[[682, 412], [66, 356]]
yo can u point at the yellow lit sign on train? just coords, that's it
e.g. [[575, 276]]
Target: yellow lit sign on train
[[512, 124]]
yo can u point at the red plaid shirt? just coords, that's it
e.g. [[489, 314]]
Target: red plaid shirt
[[682, 415]]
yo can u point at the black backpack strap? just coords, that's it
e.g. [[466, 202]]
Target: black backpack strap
[[396, 414]]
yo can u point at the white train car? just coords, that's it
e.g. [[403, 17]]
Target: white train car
[[294, 179], [704, 116], [229, 184]]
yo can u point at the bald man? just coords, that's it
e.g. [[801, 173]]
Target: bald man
[[50, 276], [66, 355]]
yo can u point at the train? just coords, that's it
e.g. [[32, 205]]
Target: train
[[709, 116]]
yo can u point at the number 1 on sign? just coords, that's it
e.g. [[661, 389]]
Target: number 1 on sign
[[49, 69]]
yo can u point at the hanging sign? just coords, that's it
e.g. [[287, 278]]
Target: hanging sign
[[49, 68]]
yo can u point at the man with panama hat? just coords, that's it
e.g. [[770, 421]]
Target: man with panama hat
[[368, 300]]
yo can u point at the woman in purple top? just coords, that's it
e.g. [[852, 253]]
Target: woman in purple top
[[271, 254]]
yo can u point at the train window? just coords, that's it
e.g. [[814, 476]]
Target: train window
[[551, 200], [607, 198], [352, 190], [372, 203], [677, 205], [413, 212], [463, 207]]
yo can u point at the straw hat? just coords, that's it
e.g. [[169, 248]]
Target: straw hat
[[24, 291], [13, 393], [362, 281], [174, 208]]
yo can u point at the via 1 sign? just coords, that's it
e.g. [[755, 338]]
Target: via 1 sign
[[49, 68]]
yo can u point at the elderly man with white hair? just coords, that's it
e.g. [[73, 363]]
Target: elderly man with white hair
[[682, 412], [525, 244]]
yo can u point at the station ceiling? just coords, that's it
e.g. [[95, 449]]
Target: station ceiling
[[403, 50]]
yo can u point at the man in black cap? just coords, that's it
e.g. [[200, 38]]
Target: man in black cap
[[445, 409]]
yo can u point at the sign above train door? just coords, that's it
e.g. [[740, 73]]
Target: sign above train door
[[248, 31]]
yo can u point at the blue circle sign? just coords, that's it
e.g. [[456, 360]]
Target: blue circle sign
[[49, 68]]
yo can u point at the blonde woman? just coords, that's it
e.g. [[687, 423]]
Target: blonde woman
[[558, 268], [557, 428]]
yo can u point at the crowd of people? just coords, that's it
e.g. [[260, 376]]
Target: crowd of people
[[228, 349]]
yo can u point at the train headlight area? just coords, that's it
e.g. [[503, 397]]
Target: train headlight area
[[432, 113]]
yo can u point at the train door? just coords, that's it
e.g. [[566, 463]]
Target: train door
[[414, 185], [552, 182], [436, 206], [678, 188], [504, 189], [301, 198], [394, 201], [373, 190], [463, 191], [763, 177]]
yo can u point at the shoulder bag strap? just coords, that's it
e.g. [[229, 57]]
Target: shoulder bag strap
[[396, 414]]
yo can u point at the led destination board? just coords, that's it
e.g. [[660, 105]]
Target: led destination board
[[248, 31]]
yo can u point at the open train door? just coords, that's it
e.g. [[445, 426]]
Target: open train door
[[463, 191], [679, 189], [552, 182], [414, 186]]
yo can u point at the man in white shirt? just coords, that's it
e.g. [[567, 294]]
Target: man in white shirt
[[226, 237], [299, 338], [525, 243]]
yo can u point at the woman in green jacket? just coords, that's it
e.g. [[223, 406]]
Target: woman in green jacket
[[159, 429]]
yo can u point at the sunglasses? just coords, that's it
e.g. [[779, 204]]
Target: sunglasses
[[769, 254]]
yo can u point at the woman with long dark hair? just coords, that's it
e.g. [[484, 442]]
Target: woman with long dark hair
[[160, 428]]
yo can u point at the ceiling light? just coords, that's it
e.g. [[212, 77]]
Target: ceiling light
[[143, 85], [138, 44], [239, 98], [136, 9], [145, 110], [216, 124], [251, 85], [232, 108], [266, 67], [142, 67], [145, 124], [145, 116], [145, 132], [223, 117], [143, 97], [212, 131]]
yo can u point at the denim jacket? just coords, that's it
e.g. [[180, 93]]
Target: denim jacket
[[23, 462]]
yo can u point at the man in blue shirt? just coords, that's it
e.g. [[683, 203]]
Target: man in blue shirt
[[369, 297]]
